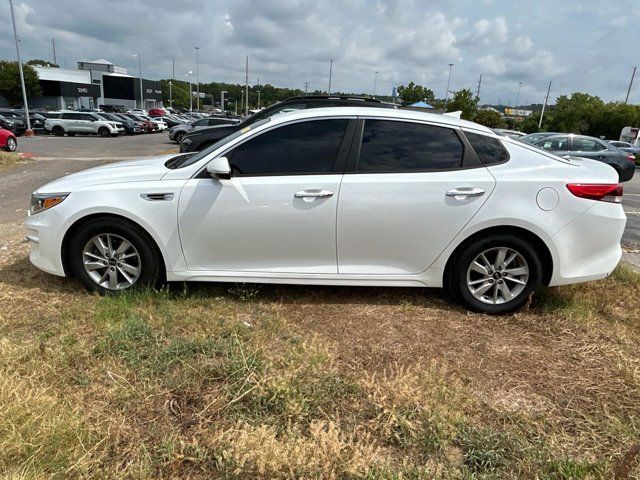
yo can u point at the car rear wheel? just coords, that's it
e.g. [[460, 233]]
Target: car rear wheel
[[109, 256], [58, 131], [11, 145], [495, 274], [104, 132]]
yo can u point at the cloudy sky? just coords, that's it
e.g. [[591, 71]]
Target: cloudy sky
[[588, 46]]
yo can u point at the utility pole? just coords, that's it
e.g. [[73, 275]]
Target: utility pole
[[140, 73], [258, 99], [170, 94], [222, 100], [173, 68], [446, 98], [241, 101], [236, 109], [190, 74], [53, 45], [246, 86], [544, 106], [479, 85], [330, 73], [197, 81], [306, 87], [24, 89], [375, 81], [517, 101], [630, 84]]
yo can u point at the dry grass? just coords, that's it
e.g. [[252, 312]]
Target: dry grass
[[219, 381], [8, 159]]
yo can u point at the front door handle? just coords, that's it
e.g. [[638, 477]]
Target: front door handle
[[313, 193], [464, 192]]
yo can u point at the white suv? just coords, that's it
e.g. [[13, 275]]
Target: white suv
[[82, 122]]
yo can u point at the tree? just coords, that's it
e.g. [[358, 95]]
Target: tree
[[489, 118], [578, 113], [10, 87], [414, 93], [42, 63], [465, 101]]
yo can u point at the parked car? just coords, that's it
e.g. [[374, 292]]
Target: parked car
[[157, 120], [8, 140], [149, 126], [429, 201], [137, 111], [171, 121], [130, 127], [534, 137], [570, 145], [202, 138], [157, 112], [36, 120], [626, 147], [176, 133], [140, 126], [86, 123], [113, 108], [16, 125]]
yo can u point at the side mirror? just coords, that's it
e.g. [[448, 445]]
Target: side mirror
[[219, 168]]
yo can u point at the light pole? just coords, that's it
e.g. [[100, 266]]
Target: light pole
[[190, 74], [375, 80], [24, 89], [330, 73], [170, 94], [197, 81], [222, 100], [517, 100], [446, 98], [140, 73], [258, 99]]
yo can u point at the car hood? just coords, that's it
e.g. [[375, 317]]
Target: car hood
[[128, 171]]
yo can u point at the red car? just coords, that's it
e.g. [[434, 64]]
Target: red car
[[8, 140], [157, 112]]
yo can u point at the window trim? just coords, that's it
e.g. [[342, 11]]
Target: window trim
[[338, 165], [469, 157]]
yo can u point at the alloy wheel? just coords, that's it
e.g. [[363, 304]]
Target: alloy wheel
[[497, 275], [11, 144], [111, 261]]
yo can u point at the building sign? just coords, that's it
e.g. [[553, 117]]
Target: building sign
[[53, 88], [517, 112]]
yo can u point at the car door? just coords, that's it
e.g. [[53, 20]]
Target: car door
[[277, 212], [405, 196], [588, 148]]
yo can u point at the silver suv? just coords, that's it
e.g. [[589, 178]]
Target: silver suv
[[84, 123]]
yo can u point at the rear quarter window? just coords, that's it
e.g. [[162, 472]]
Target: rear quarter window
[[489, 150]]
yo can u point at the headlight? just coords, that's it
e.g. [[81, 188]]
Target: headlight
[[44, 201]]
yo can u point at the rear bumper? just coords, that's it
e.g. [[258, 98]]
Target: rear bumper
[[588, 248]]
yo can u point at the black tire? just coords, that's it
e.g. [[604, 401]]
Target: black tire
[[457, 281], [11, 145], [149, 260], [58, 131], [178, 138], [104, 132], [114, 135]]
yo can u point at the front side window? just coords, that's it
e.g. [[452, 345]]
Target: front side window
[[201, 123], [586, 145], [304, 147], [392, 146], [554, 144]]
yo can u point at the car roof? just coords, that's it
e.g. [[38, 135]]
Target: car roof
[[381, 113]]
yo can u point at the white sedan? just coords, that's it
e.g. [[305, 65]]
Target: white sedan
[[339, 196]]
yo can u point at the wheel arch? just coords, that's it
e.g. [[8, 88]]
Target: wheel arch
[[546, 258], [64, 254]]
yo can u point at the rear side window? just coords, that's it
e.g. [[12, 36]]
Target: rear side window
[[392, 146], [586, 145], [489, 150], [305, 147]]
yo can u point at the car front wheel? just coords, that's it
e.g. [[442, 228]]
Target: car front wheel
[[11, 145], [495, 274], [109, 255], [104, 132]]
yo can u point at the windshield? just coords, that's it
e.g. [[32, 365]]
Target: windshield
[[187, 160]]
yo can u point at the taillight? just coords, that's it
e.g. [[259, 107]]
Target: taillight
[[604, 192], [631, 158]]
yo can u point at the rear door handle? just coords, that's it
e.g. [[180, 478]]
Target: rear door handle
[[313, 193], [463, 192]]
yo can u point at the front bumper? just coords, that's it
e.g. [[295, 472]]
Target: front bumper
[[45, 241]]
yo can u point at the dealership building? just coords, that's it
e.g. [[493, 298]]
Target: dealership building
[[95, 83]]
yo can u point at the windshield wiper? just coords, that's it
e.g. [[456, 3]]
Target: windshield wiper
[[175, 162]]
